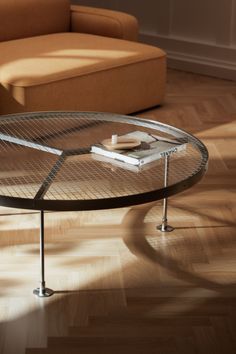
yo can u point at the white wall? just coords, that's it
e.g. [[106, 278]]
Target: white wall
[[198, 35]]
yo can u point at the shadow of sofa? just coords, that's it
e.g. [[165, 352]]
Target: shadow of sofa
[[57, 56]]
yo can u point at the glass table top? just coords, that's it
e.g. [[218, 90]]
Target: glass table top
[[46, 163]]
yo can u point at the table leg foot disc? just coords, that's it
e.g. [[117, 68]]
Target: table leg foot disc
[[43, 292], [166, 228]]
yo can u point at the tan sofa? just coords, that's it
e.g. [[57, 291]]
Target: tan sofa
[[54, 56]]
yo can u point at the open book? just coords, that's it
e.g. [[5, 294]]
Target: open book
[[152, 147]]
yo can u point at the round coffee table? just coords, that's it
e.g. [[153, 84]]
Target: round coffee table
[[46, 164]]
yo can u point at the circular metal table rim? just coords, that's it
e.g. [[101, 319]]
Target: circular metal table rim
[[113, 202]]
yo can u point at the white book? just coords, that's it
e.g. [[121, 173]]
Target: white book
[[114, 163], [152, 147]]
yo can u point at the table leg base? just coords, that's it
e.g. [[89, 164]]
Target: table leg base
[[43, 292], [165, 228]]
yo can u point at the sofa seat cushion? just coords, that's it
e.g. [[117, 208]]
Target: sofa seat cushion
[[44, 59], [70, 71]]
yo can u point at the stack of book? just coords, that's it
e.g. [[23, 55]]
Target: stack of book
[[149, 148]]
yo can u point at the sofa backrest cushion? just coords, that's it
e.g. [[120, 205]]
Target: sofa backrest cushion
[[28, 18]]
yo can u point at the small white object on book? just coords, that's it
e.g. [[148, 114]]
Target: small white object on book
[[121, 142]]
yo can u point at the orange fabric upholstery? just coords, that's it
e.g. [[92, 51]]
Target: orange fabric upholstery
[[71, 70], [103, 22], [27, 18], [47, 62], [61, 56]]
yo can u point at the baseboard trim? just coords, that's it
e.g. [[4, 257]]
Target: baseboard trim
[[201, 58]]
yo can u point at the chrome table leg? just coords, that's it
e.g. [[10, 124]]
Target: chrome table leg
[[42, 291], [164, 227]]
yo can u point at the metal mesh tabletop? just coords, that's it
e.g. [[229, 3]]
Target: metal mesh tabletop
[[46, 164]]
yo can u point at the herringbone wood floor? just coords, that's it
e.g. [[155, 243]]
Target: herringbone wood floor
[[122, 287]]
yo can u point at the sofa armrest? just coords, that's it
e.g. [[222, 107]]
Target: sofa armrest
[[103, 22]]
